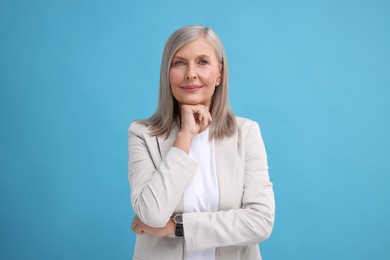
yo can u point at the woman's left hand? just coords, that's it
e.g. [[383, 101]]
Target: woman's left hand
[[140, 228]]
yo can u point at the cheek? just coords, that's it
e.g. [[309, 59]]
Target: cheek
[[175, 76], [210, 77]]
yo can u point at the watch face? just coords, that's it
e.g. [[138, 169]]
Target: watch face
[[178, 219]]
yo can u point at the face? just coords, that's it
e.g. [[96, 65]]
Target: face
[[195, 72]]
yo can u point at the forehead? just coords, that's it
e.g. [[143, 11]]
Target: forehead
[[196, 48]]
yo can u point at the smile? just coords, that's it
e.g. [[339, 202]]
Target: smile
[[191, 87]]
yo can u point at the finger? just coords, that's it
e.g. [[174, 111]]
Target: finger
[[199, 109], [205, 122], [134, 227], [200, 117], [139, 230], [133, 224], [189, 115], [206, 117], [139, 227], [136, 220], [206, 111], [209, 116]]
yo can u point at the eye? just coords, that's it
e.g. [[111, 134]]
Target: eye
[[179, 63], [203, 62]]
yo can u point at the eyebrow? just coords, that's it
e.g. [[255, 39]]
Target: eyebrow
[[200, 56]]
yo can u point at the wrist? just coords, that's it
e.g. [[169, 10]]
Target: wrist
[[183, 141], [171, 227], [186, 135], [179, 229]]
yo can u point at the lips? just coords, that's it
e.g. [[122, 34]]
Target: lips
[[191, 87]]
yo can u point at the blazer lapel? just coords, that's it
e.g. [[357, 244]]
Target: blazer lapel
[[165, 144], [225, 163]]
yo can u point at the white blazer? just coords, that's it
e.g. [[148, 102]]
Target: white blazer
[[159, 174]]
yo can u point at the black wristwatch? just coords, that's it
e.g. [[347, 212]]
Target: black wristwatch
[[178, 219]]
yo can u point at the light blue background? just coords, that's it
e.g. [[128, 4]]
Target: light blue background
[[74, 74]]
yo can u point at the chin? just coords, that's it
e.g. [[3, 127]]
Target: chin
[[191, 102]]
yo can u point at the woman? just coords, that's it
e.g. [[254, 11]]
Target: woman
[[198, 175]]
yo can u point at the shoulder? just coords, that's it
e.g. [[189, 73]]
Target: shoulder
[[137, 128], [244, 124], [247, 129]]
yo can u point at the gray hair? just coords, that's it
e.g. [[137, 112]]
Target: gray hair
[[168, 110]]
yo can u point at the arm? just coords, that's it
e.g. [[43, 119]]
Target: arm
[[140, 228], [155, 192], [248, 225]]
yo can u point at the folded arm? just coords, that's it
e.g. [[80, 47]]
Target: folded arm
[[155, 193]]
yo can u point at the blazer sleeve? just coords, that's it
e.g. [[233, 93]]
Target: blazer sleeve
[[155, 192], [248, 225]]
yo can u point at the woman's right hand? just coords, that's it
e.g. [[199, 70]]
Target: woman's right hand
[[140, 228], [194, 119]]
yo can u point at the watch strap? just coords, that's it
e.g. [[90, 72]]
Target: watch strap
[[179, 232]]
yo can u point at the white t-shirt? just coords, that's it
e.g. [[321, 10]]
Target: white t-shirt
[[202, 194]]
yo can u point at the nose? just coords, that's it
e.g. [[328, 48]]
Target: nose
[[190, 72]]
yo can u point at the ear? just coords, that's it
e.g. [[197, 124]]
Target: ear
[[219, 78]]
